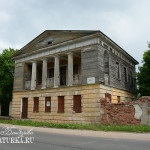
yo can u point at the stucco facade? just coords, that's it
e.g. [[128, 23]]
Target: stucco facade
[[60, 76]]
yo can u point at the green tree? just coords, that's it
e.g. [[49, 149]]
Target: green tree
[[143, 75], [6, 79]]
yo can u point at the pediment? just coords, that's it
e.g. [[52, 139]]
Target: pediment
[[52, 37]]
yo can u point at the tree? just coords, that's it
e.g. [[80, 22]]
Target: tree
[[6, 79], [143, 76]]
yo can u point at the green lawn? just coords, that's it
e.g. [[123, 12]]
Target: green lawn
[[124, 128]]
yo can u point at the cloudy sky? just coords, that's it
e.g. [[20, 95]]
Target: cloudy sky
[[125, 21]]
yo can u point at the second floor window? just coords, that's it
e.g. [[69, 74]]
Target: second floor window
[[125, 74], [117, 70]]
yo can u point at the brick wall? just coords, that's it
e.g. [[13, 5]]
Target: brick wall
[[127, 113]]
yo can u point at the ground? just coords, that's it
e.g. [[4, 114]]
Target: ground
[[66, 139]]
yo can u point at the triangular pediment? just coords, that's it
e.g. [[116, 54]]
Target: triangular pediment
[[52, 37]]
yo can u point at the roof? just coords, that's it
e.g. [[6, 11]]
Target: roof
[[53, 37]]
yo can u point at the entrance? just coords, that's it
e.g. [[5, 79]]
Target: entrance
[[63, 75], [24, 108]]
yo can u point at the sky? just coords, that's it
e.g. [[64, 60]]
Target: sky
[[126, 22]]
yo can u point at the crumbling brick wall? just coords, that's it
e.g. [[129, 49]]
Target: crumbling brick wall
[[126, 113]]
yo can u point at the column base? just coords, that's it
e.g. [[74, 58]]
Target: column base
[[43, 88]]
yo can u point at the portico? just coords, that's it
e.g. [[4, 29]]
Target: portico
[[53, 71]]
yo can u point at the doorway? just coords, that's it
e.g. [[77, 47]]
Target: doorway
[[63, 75], [24, 108]]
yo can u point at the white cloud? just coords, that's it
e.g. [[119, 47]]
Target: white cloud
[[125, 22]]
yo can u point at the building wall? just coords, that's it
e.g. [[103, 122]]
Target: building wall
[[113, 81], [90, 94], [89, 64], [92, 65], [18, 77]]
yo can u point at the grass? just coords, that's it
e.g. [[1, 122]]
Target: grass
[[94, 127]]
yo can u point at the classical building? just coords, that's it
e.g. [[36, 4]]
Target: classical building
[[61, 75]]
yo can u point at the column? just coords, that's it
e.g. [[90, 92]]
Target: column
[[44, 73], [70, 69], [56, 72], [33, 77]]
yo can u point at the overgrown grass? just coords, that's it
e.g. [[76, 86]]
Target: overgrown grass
[[124, 128]]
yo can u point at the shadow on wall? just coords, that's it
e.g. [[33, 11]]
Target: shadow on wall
[[126, 113]]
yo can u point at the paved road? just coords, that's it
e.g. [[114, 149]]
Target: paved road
[[56, 139]]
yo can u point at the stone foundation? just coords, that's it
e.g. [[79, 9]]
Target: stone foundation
[[90, 96]]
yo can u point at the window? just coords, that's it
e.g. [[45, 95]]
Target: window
[[47, 104], [117, 70], [130, 78], [77, 103], [50, 42], [51, 73], [75, 69], [108, 97], [29, 72], [36, 104], [60, 104], [125, 74], [118, 99], [106, 67]]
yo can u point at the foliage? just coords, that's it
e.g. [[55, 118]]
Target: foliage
[[6, 78], [144, 74], [94, 127]]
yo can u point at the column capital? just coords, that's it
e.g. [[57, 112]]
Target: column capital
[[33, 61], [69, 53], [44, 59], [56, 56]]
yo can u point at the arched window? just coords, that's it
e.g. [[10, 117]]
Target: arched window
[[106, 67]]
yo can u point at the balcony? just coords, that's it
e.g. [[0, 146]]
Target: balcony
[[50, 82], [76, 79], [27, 85]]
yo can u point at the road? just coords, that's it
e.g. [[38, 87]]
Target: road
[[60, 139]]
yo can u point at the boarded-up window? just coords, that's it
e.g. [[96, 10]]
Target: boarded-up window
[[108, 96], [77, 103], [36, 104], [47, 104], [60, 104]]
